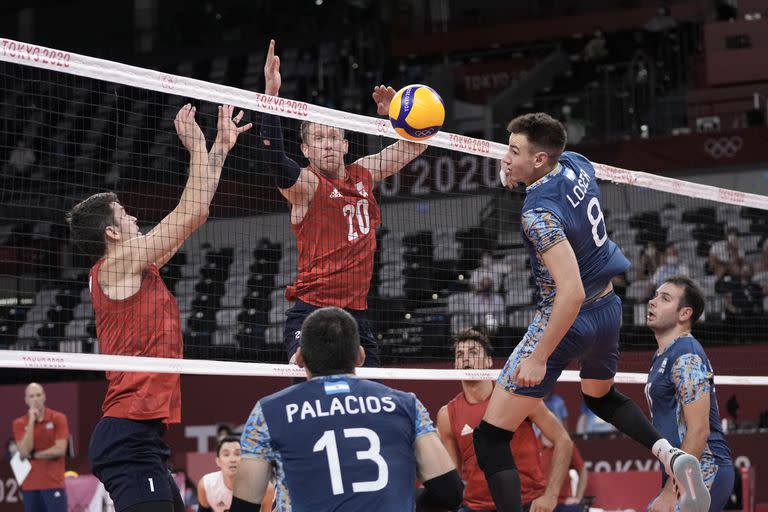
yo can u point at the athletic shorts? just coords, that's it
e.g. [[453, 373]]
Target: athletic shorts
[[593, 339], [295, 316], [130, 458]]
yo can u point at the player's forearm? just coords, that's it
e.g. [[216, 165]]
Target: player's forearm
[[204, 173], [54, 452], [582, 486], [271, 149], [561, 461], [564, 312], [695, 440]]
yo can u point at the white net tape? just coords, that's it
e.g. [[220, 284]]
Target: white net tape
[[81, 65]]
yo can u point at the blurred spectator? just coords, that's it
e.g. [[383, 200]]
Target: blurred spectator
[[726, 252], [575, 128], [222, 431], [596, 48], [21, 157], [486, 306], [556, 404], [670, 266], [761, 264], [661, 21], [742, 299], [589, 422], [487, 270], [650, 259]]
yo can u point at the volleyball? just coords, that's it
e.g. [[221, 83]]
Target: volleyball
[[416, 112]]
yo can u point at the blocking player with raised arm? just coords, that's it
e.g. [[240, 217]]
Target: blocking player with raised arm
[[334, 214], [457, 420], [681, 391], [337, 442], [136, 315], [578, 316]]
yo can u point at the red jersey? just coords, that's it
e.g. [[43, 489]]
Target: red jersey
[[464, 418], [336, 240], [577, 462], [145, 324], [45, 473]]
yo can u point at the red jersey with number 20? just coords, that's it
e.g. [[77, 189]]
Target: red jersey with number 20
[[336, 241]]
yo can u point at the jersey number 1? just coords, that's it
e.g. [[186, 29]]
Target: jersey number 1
[[327, 443], [363, 220]]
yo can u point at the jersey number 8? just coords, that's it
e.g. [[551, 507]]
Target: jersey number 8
[[596, 219]]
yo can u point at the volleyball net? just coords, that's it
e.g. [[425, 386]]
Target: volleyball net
[[449, 254]]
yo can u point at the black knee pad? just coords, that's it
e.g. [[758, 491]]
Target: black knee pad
[[492, 448], [607, 405]]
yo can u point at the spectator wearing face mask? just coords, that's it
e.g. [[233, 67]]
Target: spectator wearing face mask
[[725, 253], [670, 266]]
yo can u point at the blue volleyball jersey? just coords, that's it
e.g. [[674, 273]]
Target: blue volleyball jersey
[[339, 443], [680, 375], [565, 205]]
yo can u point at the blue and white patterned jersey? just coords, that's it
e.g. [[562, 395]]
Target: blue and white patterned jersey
[[679, 376], [339, 443], [565, 205]]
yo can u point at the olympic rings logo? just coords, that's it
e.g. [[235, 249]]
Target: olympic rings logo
[[724, 147], [168, 81]]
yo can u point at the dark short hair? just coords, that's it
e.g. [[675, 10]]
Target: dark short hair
[[224, 440], [87, 221], [543, 131], [330, 341], [304, 130], [692, 297], [474, 335]]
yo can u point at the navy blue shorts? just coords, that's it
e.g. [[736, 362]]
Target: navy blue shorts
[[722, 488], [130, 458], [45, 500], [593, 339], [295, 316]]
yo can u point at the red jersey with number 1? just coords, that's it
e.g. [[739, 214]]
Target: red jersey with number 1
[[464, 418], [336, 241], [145, 324]]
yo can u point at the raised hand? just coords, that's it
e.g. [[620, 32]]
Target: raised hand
[[382, 96], [228, 129], [189, 132], [272, 77]]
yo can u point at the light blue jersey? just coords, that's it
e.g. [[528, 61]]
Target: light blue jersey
[[679, 376], [339, 443], [565, 205]]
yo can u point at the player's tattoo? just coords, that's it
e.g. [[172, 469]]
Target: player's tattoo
[[216, 159]]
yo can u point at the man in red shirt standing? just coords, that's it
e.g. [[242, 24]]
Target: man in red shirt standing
[[334, 214], [457, 420], [41, 436], [136, 315]]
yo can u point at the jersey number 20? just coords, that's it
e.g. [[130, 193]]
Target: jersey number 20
[[327, 443], [363, 220], [596, 218]]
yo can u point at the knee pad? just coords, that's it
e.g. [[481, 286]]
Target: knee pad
[[607, 405], [492, 448]]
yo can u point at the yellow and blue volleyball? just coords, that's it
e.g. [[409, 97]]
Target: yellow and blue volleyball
[[416, 112]]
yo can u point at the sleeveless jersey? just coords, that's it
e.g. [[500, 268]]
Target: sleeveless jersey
[[336, 241], [339, 443], [565, 204], [219, 497], [145, 324], [680, 375], [464, 418]]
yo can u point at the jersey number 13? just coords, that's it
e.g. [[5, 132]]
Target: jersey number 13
[[327, 443]]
